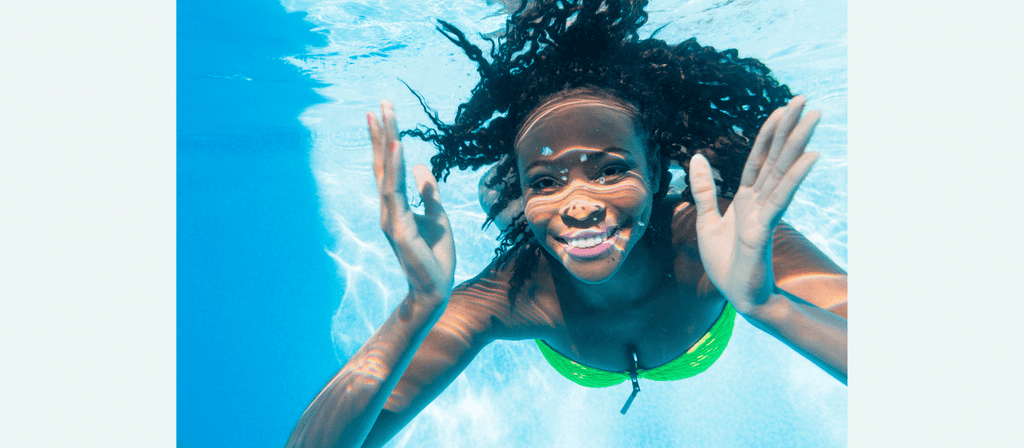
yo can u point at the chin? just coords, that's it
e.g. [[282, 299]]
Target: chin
[[597, 263], [595, 277]]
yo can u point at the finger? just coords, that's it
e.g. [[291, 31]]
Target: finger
[[394, 206], [796, 143], [443, 247], [396, 153], [393, 183], [429, 192], [783, 194], [377, 144], [389, 123], [379, 152], [703, 188], [787, 121], [759, 151]]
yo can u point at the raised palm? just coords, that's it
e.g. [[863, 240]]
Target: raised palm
[[423, 243], [736, 247]]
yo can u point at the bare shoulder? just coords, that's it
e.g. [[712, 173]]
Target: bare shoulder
[[689, 269], [479, 311], [684, 217], [483, 302]]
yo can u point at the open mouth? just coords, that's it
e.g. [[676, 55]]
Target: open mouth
[[591, 240], [590, 244]]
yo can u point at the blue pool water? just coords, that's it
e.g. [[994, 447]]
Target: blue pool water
[[283, 271], [254, 290]]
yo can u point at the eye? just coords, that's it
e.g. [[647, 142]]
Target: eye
[[543, 183], [613, 170]]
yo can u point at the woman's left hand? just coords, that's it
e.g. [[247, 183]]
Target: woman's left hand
[[736, 248]]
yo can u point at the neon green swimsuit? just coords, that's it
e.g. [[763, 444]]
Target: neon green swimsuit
[[696, 360]]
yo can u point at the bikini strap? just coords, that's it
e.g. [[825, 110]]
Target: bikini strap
[[636, 384]]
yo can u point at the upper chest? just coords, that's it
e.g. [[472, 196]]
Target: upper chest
[[657, 329], [677, 308]]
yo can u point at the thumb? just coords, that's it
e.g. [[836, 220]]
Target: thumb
[[427, 186], [703, 190]]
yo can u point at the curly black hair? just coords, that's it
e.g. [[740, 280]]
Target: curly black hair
[[691, 99]]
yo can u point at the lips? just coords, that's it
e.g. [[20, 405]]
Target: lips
[[590, 243], [589, 238]]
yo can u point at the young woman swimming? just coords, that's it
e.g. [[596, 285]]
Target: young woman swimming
[[615, 279]]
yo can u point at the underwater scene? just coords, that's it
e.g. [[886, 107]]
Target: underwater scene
[[307, 77]]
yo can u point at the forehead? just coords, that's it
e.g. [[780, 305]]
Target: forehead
[[577, 123]]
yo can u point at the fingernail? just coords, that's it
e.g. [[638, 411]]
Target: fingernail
[[369, 119]]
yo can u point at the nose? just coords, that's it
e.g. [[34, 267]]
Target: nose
[[582, 209]]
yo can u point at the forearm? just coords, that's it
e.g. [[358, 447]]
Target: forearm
[[345, 411], [815, 333]]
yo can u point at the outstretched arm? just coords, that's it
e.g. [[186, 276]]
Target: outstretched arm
[[736, 248], [343, 415], [345, 411]]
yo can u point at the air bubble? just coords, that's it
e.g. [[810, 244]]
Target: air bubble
[[583, 158], [641, 223], [546, 151], [601, 181], [564, 170], [564, 178]]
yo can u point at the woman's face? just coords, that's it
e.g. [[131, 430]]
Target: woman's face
[[587, 183]]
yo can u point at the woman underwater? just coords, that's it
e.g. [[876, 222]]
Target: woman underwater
[[614, 277]]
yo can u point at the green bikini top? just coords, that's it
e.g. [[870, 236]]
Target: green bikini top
[[696, 360]]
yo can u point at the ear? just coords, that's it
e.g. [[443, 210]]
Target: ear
[[654, 164]]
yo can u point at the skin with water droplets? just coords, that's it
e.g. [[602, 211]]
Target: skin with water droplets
[[576, 162]]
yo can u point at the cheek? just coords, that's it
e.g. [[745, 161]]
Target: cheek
[[634, 199], [539, 211], [633, 193]]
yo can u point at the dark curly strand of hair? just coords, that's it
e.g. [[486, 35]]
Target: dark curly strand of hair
[[691, 99]]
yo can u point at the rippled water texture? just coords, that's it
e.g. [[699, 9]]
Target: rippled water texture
[[759, 393]]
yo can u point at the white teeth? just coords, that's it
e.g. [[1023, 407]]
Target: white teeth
[[586, 243]]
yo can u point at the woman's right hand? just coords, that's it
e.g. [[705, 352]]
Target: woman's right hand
[[349, 407], [423, 243]]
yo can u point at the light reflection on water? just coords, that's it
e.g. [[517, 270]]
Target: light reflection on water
[[759, 393]]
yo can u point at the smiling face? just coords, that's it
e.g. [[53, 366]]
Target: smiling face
[[587, 182]]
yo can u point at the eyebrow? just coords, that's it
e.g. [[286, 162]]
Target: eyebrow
[[603, 153]]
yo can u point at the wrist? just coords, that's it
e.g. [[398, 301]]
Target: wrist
[[772, 309], [421, 306]]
